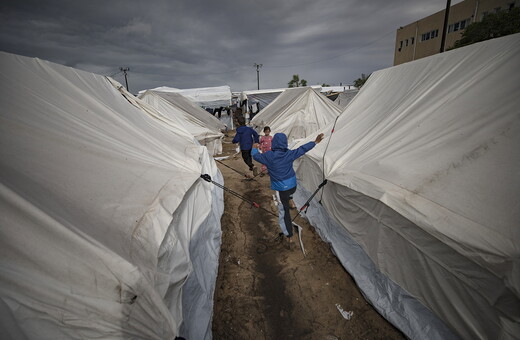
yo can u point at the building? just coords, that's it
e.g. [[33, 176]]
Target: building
[[423, 38]]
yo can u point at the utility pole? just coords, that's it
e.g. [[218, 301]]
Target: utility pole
[[445, 28], [257, 74], [124, 70]]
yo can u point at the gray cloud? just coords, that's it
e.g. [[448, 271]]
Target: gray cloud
[[188, 44]]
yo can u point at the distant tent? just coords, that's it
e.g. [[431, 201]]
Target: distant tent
[[106, 228], [205, 97], [202, 125], [345, 97], [297, 112], [212, 97], [422, 200], [264, 97]]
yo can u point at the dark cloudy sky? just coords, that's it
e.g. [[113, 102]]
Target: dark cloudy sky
[[191, 43]]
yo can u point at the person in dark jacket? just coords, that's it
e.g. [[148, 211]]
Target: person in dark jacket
[[246, 136], [279, 162]]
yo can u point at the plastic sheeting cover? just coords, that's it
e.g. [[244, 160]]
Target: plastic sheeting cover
[[427, 156], [212, 97], [175, 108], [98, 218], [297, 112]]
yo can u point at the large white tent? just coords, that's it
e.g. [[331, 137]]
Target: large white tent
[[297, 112], [106, 228], [201, 124], [422, 200]]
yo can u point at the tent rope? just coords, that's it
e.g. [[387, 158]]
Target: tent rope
[[207, 178], [243, 174]]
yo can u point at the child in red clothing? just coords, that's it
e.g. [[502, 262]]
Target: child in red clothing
[[265, 145]]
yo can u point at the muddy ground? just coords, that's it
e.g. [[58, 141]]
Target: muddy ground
[[266, 290]]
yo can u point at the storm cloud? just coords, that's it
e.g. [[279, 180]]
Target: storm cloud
[[188, 44]]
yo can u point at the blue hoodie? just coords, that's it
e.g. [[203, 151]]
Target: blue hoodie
[[279, 162], [245, 136]]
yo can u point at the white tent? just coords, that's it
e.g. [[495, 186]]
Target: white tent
[[345, 97], [212, 97], [106, 228], [265, 96], [341, 88], [205, 97], [297, 112], [201, 124], [422, 200]]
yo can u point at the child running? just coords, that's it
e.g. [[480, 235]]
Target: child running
[[246, 136], [265, 145], [279, 162]]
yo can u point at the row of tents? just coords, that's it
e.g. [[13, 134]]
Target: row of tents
[[421, 203], [107, 230], [101, 237]]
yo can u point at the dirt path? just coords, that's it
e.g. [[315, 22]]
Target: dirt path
[[265, 290]]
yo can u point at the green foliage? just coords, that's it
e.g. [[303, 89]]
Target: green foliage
[[361, 81], [492, 26], [325, 85], [296, 81]]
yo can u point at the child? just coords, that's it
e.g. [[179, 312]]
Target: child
[[265, 145], [246, 136], [279, 162]]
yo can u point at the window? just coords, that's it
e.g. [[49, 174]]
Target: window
[[459, 25], [412, 38], [406, 42], [429, 35]]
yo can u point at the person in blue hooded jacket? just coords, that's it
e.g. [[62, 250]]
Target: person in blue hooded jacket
[[279, 162], [246, 136]]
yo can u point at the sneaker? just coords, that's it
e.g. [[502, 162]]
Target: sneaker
[[255, 171]]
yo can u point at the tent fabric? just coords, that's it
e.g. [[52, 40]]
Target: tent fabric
[[190, 107], [265, 96], [174, 107], [99, 234], [212, 97], [423, 167], [297, 112], [344, 98]]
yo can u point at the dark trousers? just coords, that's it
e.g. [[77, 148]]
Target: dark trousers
[[246, 155], [285, 196]]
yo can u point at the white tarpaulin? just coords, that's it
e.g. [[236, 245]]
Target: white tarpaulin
[[424, 175], [212, 97], [297, 112], [345, 97], [201, 124], [106, 229], [264, 97]]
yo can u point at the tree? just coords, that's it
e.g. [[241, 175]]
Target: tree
[[296, 82], [492, 26], [361, 81]]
